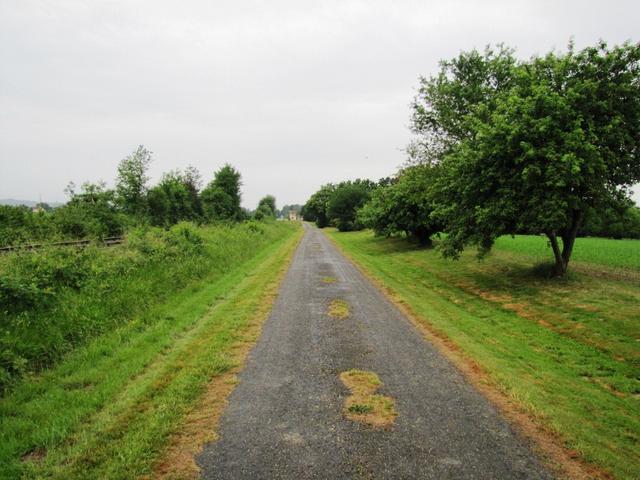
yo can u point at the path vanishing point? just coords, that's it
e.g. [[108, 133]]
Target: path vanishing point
[[285, 417]]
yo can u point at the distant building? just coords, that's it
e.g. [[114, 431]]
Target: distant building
[[293, 216]]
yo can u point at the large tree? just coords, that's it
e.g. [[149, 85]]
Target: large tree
[[266, 208], [193, 182], [317, 207], [91, 212], [174, 199], [404, 205], [447, 103], [131, 183], [562, 137], [346, 200], [221, 198]]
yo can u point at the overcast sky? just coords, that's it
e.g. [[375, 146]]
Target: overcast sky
[[292, 93]]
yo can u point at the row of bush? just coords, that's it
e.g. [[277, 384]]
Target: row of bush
[[54, 299], [547, 145], [21, 225], [400, 205], [96, 212]]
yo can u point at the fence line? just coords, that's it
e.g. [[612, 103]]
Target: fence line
[[107, 242]]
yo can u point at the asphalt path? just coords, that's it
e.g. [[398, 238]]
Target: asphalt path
[[284, 419]]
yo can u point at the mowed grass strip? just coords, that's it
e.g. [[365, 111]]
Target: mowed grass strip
[[565, 351], [199, 425], [109, 409]]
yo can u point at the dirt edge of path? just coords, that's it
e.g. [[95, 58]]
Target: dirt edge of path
[[199, 426], [547, 444]]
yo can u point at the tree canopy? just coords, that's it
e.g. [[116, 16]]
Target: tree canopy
[[131, 183], [531, 146], [345, 202], [404, 205], [502, 146], [266, 208], [91, 212], [95, 211], [317, 207], [221, 197], [175, 198]]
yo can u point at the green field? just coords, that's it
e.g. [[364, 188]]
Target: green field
[[109, 407], [567, 351], [622, 254]]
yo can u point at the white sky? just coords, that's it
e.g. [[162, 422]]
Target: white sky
[[292, 93]]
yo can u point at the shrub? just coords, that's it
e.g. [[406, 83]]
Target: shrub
[[55, 299]]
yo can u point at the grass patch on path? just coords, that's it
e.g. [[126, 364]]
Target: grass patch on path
[[565, 352], [338, 309], [109, 409], [363, 405]]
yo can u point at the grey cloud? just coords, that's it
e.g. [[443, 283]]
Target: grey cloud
[[294, 94]]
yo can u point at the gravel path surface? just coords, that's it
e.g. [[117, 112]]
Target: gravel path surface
[[284, 418]]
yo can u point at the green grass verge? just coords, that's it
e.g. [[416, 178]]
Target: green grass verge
[[108, 409], [56, 299], [566, 350]]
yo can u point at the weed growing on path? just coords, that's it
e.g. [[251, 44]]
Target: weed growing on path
[[363, 405], [339, 309], [360, 408]]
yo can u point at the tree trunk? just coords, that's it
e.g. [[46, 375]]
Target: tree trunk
[[568, 240], [561, 266], [423, 236]]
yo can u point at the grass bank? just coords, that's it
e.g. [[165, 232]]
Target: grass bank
[[56, 299], [110, 407], [565, 351]]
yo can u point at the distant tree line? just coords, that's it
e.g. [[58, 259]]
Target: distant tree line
[[95, 211], [502, 146], [338, 204]]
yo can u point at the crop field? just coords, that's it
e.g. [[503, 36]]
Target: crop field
[[623, 254], [564, 351], [110, 401]]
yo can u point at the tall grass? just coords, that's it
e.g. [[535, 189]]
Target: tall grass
[[53, 300]]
